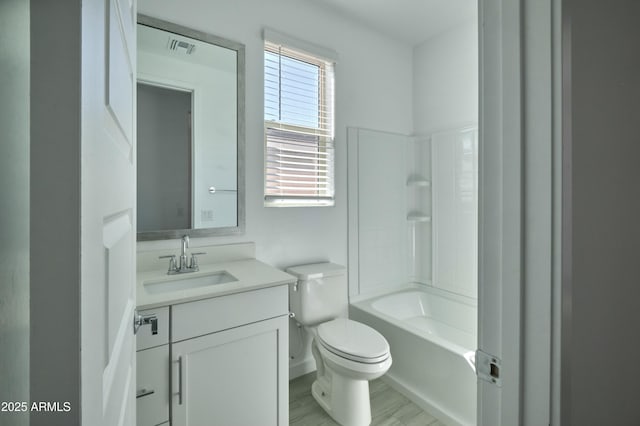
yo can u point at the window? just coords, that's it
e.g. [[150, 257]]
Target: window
[[298, 127]]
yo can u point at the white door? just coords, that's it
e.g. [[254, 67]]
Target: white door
[[108, 229]]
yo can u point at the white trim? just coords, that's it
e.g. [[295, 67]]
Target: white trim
[[500, 207], [166, 83], [353, 212], [301, 368], [295, 43]]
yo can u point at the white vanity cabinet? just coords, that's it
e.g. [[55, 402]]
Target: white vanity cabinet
[[226, 362], [229, 358], [225, 350]]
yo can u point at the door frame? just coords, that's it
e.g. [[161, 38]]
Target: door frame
[[499, 207], [519, 209], [503, 135]]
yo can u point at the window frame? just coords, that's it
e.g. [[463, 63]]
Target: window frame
[[324, 131]]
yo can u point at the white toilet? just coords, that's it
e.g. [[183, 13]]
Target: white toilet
[[348, 354]]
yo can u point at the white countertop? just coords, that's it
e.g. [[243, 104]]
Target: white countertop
[[251, 274]]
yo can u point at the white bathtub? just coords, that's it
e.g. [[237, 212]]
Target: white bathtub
[[432, 335]]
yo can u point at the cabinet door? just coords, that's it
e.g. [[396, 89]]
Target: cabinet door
[[236, 377], [152, 393]]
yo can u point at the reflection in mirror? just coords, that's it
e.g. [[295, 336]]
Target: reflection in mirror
[[164, 158], [190, 140]]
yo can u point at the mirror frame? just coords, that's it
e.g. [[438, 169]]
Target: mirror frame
[[239, 48]]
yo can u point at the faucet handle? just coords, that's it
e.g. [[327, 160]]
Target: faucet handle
[[194, 260], [172, 261]]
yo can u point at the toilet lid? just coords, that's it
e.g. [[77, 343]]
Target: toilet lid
[[353, 340]]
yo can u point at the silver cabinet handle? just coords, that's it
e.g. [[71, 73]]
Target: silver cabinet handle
[[213, 190], [144, 392], [179, 380]]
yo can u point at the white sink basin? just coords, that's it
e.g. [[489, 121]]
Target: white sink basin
[[182, 282]]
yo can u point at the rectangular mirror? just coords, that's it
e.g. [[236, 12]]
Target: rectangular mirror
[[190, 132]]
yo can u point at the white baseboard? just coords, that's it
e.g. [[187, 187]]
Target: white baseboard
[[301, 368]]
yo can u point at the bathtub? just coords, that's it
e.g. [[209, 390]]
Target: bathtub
[[432, 335]]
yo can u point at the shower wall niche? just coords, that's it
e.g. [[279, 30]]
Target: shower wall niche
[[419, 210], [412, 211]]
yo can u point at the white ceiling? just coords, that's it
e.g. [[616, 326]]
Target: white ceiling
[[410, 21]]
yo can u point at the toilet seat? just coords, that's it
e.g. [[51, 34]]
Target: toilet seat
[[353, 341]]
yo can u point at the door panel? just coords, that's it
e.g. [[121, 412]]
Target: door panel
[[118, 262], [108, 213]]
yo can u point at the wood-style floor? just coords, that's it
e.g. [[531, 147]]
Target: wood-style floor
[[388, 407]]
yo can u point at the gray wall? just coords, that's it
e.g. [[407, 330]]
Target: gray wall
[[55, 206], [601, 256], [14, 206]]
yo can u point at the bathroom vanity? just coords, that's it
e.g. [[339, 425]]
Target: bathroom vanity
[[219, 355]]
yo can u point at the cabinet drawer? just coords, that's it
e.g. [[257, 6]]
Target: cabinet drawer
[[152, 386], [144, 338], [220, 313]]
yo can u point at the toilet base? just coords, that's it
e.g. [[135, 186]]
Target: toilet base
[[345, 399]]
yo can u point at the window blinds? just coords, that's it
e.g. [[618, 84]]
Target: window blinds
[[299, 128]]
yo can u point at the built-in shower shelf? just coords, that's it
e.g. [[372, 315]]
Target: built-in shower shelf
[[417, 217], [418, 181]]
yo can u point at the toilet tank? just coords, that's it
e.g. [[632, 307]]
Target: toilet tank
[[320, 293]]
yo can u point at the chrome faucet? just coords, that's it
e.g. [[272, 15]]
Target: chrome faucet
[[183, 252], [183, 267]]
